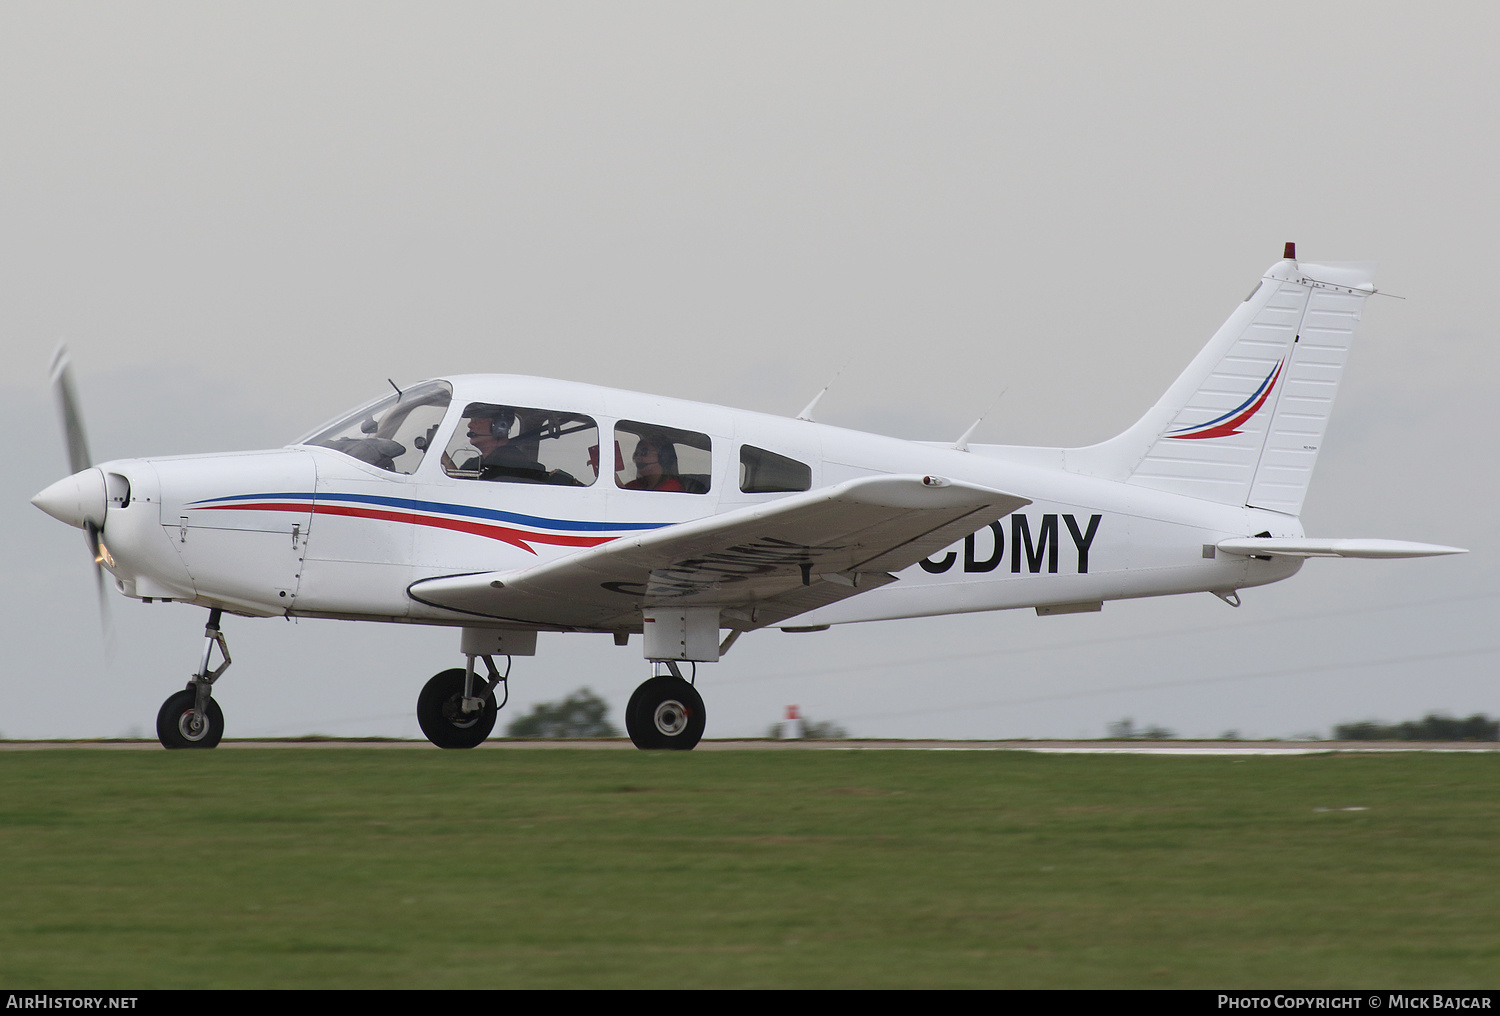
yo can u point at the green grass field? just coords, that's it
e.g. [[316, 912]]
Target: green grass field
[[371, 868]]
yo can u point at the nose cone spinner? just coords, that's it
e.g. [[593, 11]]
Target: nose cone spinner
[[77, 500]]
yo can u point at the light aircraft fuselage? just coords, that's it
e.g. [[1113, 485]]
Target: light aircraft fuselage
[[506, 505], [313, 532]]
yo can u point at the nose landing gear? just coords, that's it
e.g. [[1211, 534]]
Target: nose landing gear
[[181, 724], [191, 718]]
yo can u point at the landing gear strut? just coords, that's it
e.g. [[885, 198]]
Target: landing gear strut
[[457, 708], [191, 718], [665, 713]]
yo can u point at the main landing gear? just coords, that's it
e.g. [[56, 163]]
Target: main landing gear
[[666, 713], [457, 708], [191, 718]]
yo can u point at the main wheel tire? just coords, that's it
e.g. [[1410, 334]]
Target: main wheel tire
[[441, 716], [174, 726], [665, 712]]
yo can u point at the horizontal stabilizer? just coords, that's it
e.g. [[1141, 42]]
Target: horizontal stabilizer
[[1334, 548]]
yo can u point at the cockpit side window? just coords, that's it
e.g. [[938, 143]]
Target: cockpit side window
[[393, 433], [662, 458], [518, 444], [763, 472]]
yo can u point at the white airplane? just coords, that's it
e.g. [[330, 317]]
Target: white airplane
[[480, 502]]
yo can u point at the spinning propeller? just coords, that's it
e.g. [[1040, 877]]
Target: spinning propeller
[[80, 499]]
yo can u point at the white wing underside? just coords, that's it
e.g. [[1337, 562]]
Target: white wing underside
[[760, 565]]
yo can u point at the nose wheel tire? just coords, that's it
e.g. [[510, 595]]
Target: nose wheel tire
[[177, 727], [441, 716], [665, 713]]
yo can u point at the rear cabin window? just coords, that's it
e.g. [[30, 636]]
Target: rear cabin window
[[763, 472], [519, 444], [651, 457]]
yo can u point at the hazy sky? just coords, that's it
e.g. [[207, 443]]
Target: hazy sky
[[244, 218]]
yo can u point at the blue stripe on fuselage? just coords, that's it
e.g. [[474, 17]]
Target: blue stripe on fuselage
[[446, 509]]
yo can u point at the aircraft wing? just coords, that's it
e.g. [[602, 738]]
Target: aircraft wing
[[1286, 547], [761, 564]]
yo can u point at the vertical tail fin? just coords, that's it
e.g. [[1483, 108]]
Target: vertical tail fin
[[1244, 422]]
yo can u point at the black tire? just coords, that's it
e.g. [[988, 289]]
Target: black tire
[[173, 729], [665, 713], [441, 717]]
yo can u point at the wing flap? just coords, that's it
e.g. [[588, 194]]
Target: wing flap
[[761, 564]]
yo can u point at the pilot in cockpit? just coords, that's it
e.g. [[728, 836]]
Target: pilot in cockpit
[[502, 454]]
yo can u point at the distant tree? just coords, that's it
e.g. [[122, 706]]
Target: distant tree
[[581, 714], [825, 731], [1123, 730], [1432, 727]]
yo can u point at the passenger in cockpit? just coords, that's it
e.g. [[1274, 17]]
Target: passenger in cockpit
[[655, 461]]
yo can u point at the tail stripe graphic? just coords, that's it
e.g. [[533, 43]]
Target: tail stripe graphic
[[1243, 423], [1231, 421]]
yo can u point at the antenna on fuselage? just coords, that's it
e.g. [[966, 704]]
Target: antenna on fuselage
[[962, 444], [807, 410]]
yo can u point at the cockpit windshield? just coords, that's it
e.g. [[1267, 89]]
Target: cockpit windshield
[[391, 433]]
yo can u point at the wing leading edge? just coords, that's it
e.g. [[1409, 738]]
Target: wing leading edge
[[760, 565]]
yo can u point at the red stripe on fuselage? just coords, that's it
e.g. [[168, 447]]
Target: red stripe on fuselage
[[257, 506], [515, 537]]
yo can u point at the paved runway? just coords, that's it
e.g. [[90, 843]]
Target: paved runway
[[621, 744]]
